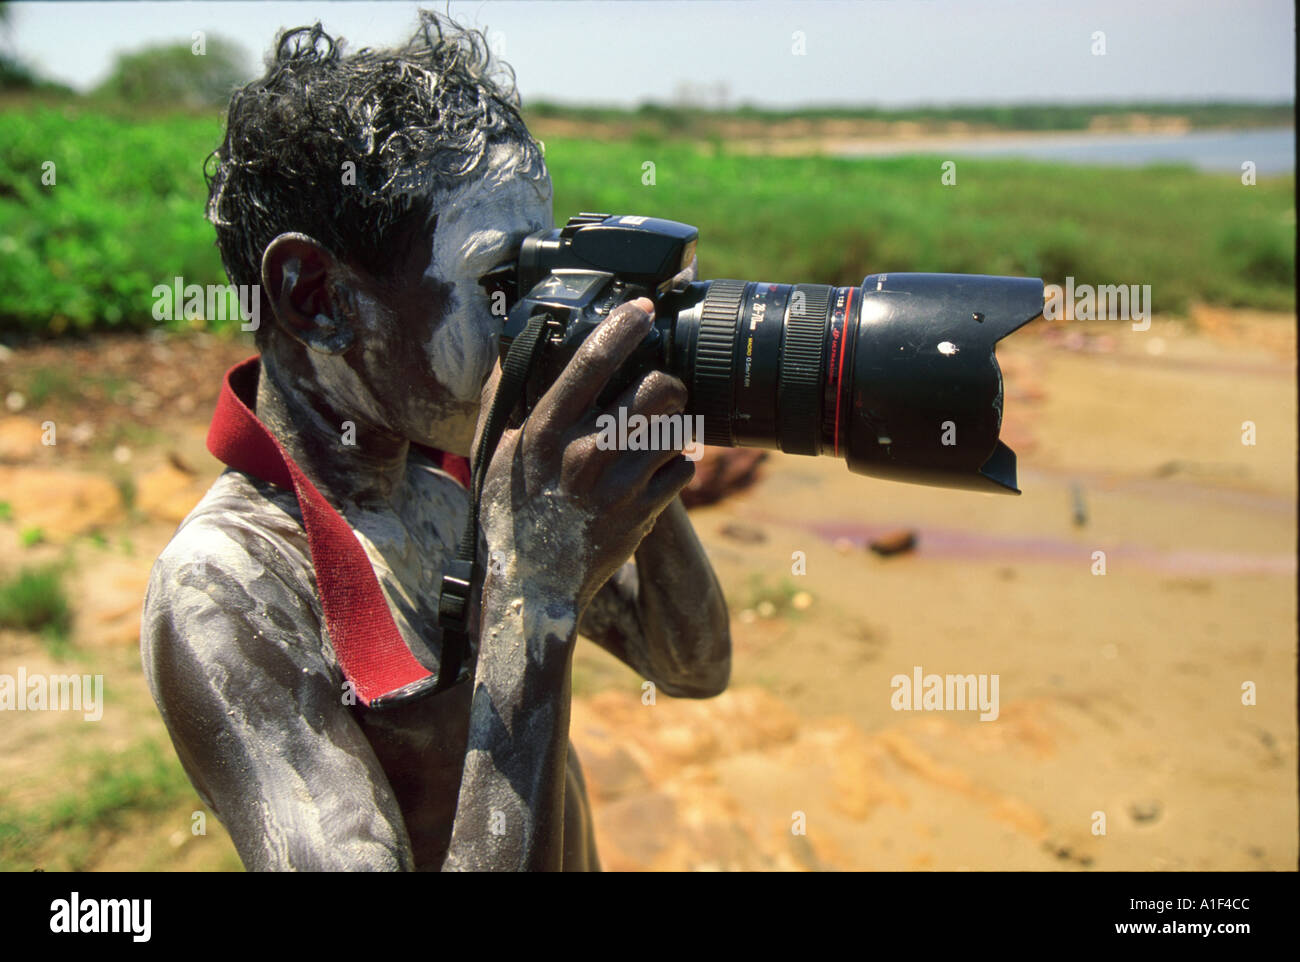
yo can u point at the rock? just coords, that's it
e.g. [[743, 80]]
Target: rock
[[632, 831], [62, 504], [1080, 515], [721, 472], [167, 493], [1147, 810], [611, 771], [895, 542], [20, 439], [110, 597], [179, 463], [744, 533]]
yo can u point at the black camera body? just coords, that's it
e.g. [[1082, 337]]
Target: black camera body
[[577, 274], [897, 376]]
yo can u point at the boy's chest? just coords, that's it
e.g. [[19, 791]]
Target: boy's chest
[[408, 543], [421, 746]]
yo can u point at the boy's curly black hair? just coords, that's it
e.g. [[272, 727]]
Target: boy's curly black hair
[[412, 122]]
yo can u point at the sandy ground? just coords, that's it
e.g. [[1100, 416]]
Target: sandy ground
[[1121, 742], [861, 137]]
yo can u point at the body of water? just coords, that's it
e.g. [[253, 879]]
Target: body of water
[[1271, 149]]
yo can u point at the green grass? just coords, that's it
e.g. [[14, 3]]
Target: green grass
[[44, 383], [145, 778], [126, 214], [34, 599], [1190, 235], [758, 590]]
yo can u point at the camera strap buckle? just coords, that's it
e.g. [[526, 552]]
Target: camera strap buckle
[[453, 601]]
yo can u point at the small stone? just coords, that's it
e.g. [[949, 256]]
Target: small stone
[[895, 542], [15, 402], [167, 493], [765, 609], [20, 438], [61, 504], [802, 601], [121, 454], [1145, 811], [744, 533]]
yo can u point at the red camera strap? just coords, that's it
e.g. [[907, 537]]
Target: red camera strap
[[370, 649]]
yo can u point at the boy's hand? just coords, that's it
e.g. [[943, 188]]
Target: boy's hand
[[561, 515]]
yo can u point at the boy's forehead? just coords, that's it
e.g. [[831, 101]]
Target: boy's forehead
[[493, 209]]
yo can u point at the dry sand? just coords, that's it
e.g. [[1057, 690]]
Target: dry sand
[[1118, 694]]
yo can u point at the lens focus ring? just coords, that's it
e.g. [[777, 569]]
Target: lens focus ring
[[800, 391], [715, 352]]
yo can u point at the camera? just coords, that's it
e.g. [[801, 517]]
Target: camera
[[897, 376]]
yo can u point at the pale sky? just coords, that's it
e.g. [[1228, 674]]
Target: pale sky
[[884, 52]]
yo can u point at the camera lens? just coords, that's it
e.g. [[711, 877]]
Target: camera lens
[[898, 376]]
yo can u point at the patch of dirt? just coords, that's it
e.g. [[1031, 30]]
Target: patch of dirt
[[1124, 739]]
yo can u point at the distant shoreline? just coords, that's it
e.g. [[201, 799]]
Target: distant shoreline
[[1028, 138], [867, 124]]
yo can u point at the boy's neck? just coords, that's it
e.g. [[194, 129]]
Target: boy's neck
[[347, 458]]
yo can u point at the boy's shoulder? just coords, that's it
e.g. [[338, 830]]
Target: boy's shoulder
[[244, 522], [242, 527], [235, 576], [245, 540]]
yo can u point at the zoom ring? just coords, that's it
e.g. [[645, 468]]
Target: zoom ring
[[714, 359], [799, 393]]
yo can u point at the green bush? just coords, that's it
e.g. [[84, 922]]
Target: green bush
[[126, 213], [34, 600]]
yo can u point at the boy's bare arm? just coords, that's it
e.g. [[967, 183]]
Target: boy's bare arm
[[233, 657], [664, 614], [560, 515]]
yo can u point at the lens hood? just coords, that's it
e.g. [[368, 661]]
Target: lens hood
[[926, 390]]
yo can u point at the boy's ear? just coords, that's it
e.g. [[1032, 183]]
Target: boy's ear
[[301, 279]]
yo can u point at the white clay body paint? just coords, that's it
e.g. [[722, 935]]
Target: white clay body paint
[[481, 226], [340, 381]]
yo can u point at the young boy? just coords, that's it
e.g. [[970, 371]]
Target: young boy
[[368, 195]]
